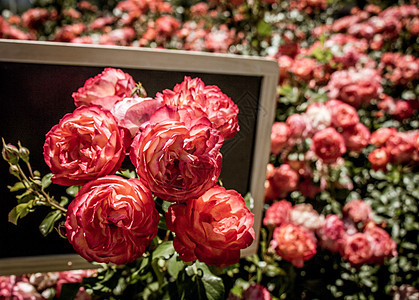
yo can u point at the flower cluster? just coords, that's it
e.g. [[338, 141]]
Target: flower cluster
[[174, 143]]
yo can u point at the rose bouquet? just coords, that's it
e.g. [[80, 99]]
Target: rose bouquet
[[144, 175]]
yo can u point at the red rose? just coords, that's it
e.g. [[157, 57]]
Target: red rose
[[356, 249], [112, 220], [85, 145], [381, 135], [220, 109], [382, 245], [278, 213], [294, 244], [332, 233], [212, 228], [279, 137], [379, 159], [356, 137], [105, 89], [177, 153], [358, 211], [343, 115], [328, 145]]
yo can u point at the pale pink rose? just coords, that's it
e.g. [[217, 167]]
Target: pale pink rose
[[356, 137], [343, 115], [278, 213], [199, 10], [285, 179], [105, 89], [220, 109], [212, 228], [294, 244], [43, 280], [218, 40], [328, 145], [306, 216], [298, 126], [256, 292], [85, 144], [177, 153], [356, 249], [279, 137], [23, 290], [167, 25], [132, 112], [379, 158], [318, 116], [112, 220], [332, 233], [382, 245], [121, 36], [381, 135], [358, 211], [401, 147]]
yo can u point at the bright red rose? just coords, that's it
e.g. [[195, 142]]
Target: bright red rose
[[379, 159], [356, 249], [220, 109], [278, 213], [381, 135], [328, 145], [343, 115], [112, 220], [212, 228], [279, 137], [177, 153], [294, 244], [85, 145], [332, 233], [105, 89], [382, 245], [356, 137], [358, 211]]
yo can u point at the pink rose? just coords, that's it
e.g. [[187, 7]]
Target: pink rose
[[212, 228], [105, 89], [379, 159], [75, 276], [256, 292], [285, 179], [298, 126], [294, 244], [177, 153], [401, 147], [332, 233], [318, 116], [306, 216], [112, 220], [303, 68], [382, 245], [381, 135], [132, 112], [343, 115], [279, 137], [220, 109], [328, 145], [357, 211], [84, 145], [356, 249], [278, 213], [356, 137]]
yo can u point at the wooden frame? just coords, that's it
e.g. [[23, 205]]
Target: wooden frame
[[163, 60]]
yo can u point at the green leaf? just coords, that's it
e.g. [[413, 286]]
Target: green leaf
[[18, 212], [263, 28], [72, 190], [213, 285], [46, 181], [18, 186], [162, 223], [248, 199], [126, 173], [175, 265], [48, 223], [164, 250]]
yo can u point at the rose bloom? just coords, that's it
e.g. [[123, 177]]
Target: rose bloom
[[220, 109], [298, 126], [256, 292], [381, 135], [332, 233], [356, 249], [356, 137], [303, 68], [328, 145], [306, 216], [75, 276], [177, 153], [379, 159], [285, 64], [84, 145], [285, 179], [132, 112], [279, 137], [278, 213], [401, 147], [343, 115], [105, 89], [112, 220], [318, 116], [404, 109], [212, 228], [357, 211], [381, 244], [294, 244]]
